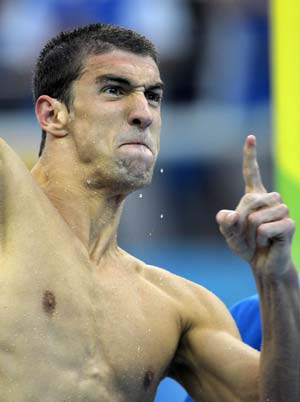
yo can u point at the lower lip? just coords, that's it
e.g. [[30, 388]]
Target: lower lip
[[136, 148]]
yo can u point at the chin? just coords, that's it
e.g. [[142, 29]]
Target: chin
[[123, 176], [134, 175], [133, 181]]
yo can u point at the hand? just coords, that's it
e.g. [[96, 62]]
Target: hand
[[259, 230]]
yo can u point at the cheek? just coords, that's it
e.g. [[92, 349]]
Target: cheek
[[95, 136], [105, 118], [84, 136]]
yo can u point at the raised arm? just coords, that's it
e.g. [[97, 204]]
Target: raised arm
[[260, 231], [26, 215]]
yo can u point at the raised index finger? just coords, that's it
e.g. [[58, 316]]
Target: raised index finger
[[253, 183]]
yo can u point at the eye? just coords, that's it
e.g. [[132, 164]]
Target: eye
[[113, 90], [153, 97]]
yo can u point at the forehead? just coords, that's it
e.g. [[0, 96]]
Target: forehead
[[139, 69]]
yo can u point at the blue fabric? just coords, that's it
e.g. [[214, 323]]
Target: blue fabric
[[247, 318]]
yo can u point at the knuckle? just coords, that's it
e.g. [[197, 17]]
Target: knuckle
[[276, 196], [252, 218], [290, 224], [249, 198], [261, 231], [284, 209], [220, 216]]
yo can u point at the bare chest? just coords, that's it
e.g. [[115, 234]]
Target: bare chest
[[100, 341], [65, 335]]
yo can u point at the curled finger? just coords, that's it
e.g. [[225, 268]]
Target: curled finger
[[262, 216], [252, 202], [231, 228], [227, 220], [279, 232]]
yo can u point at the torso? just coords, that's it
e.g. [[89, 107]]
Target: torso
[[74, 337], [72, 331]]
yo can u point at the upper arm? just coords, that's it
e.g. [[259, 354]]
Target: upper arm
[[4, 181], [24, 208], [14, 177], [211, 362]]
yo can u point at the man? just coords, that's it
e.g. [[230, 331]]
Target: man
[[84, 321], [247, 318]]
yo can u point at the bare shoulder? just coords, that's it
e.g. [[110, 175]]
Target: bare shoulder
[[196, 304]]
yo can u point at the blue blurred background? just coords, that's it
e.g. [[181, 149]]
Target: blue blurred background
[[215, 63]]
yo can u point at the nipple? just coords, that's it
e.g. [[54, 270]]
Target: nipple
[[148, 379], [49, 302]]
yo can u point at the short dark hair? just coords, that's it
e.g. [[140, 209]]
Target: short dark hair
[[62, 59]]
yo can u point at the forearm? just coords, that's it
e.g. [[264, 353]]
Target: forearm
[[280, 356], [260, 231]]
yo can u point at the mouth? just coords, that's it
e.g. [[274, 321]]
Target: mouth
[[136, 145], [137, 151]]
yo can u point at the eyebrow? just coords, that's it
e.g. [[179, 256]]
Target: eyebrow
[[124, 81]]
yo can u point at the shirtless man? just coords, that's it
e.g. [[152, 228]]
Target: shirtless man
[[82, 320]]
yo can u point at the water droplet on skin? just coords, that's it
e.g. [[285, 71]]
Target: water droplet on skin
[[161, 170], [140, 195], [161, 216]]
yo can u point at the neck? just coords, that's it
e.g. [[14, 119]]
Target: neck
[[92, 214]]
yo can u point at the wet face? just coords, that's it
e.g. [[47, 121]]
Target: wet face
[[115, 119]]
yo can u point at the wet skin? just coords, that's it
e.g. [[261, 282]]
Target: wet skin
[[82, 320]]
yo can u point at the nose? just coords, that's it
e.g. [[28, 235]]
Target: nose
[[139, 114]]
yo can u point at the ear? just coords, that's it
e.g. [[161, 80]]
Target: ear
[[52, 115]]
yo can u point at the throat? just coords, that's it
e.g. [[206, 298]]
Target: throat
[[92, 214]]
